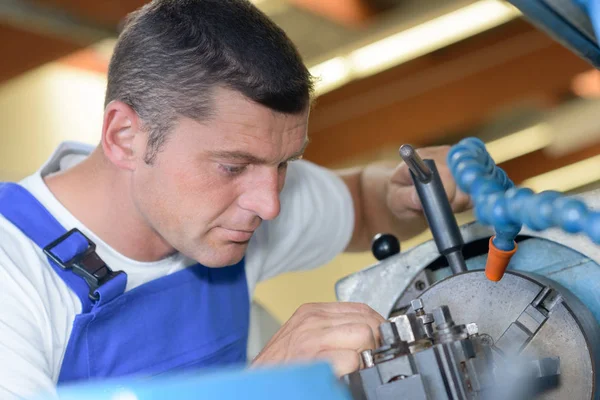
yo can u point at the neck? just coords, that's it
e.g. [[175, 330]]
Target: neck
[[98, 194]]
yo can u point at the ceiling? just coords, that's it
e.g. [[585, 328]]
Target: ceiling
[[485, 85], [34, 32]]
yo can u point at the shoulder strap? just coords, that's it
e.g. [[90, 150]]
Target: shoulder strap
[[24, 211]]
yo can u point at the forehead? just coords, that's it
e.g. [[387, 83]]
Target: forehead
[[238, 121]]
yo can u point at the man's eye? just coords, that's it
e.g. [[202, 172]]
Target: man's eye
[[283, 165], [232, 169]]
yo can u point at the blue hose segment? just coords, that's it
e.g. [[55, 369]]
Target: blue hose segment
[[477, 175], [499, 203]]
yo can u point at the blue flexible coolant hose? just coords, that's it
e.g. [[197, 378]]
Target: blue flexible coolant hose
[[505, 207]]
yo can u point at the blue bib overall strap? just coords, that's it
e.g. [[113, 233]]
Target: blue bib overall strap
[[71, 254], [194, 318]]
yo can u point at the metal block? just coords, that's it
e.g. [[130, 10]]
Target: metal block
[[409, 388], [532, 319], [406, 329], [397, 368], [410, 329], [363, 384], [513, 339], [545, 367], [389, 333], [428, 367]]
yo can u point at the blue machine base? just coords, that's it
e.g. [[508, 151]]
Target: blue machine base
[[297, 382]]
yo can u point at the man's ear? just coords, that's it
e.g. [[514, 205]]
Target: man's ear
[[121, 131]]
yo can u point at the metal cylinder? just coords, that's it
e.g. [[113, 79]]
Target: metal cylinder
[[367, 358]]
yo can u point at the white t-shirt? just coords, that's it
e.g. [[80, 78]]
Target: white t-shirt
[[37, 308]]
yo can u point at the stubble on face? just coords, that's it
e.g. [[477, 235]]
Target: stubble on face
[[208, 189]]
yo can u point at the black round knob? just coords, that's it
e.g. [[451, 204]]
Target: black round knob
[[385, 245]]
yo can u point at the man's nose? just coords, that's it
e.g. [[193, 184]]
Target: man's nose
[[262, 195]]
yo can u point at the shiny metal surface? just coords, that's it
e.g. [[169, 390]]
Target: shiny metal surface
[[421, 171], [507, 312], [456, 363], [367, 358]]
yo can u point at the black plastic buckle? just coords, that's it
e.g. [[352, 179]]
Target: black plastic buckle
[[87, 265]]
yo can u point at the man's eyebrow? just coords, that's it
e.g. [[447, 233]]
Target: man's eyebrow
[[246, 157], [240, 156]]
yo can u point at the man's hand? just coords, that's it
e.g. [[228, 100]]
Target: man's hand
[[335, 332], [402, 198], [385, 198]]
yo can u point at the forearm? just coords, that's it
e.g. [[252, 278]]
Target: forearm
[[372, 195]]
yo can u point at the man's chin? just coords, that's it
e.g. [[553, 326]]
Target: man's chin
[[224, 256]]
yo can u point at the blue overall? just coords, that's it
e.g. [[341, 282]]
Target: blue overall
[[196, 317]]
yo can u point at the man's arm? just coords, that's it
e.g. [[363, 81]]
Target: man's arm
[[386, 201]]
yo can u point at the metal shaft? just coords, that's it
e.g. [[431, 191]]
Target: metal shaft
[[415, 163], [456, 261], [436, 207]]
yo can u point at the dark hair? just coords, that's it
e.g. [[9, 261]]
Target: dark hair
[[171, 54]]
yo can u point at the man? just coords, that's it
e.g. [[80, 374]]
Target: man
[[207, 108]]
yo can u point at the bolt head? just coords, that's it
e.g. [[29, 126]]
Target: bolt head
[[416, 304], [472, 329]]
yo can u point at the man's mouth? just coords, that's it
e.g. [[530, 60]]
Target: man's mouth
[[238, 235]]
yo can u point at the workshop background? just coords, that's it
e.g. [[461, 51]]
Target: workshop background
[[423, 72]]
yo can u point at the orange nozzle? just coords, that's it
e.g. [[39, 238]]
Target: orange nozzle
[[497, 261]]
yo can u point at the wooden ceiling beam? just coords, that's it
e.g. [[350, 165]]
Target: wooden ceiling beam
[[428, 100], [539, 162], [17, 56]]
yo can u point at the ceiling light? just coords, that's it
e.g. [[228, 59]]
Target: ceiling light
[[331, 74], [431, 35], [415, 42], [520, 143], [567, 178]]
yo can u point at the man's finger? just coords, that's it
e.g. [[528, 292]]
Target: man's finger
[[404, 197], [401, 175], [354, 336], [340, 307], [462, 202], [342, 361], [325, 320]]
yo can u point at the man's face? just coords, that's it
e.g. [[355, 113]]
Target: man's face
[[213, 183]]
